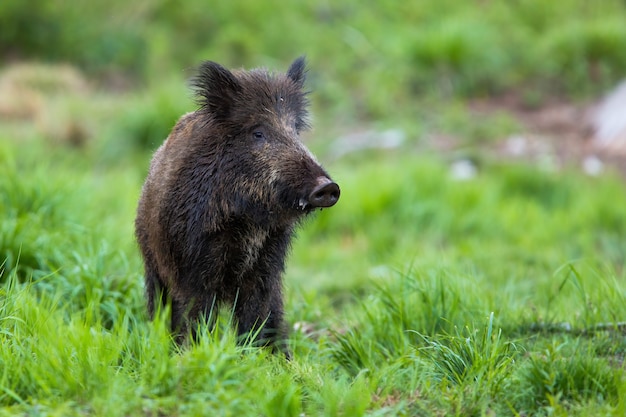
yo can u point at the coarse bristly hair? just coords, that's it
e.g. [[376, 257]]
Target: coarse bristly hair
[[221, 92], [223, 197]]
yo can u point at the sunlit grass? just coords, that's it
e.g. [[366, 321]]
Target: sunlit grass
[[417, 293]]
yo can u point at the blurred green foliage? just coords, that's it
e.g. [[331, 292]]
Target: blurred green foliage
[[90, 35], [376, 55]]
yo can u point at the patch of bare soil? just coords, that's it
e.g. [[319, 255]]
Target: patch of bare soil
[[562, 133]]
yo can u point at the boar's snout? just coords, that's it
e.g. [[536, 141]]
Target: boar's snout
[[325, 194]]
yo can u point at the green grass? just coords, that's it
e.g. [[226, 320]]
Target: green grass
[[418, 295]]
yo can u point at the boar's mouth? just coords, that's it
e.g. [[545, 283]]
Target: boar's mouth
[[324, 194]]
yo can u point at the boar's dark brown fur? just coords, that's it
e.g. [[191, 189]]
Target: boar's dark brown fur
[[223, 196]]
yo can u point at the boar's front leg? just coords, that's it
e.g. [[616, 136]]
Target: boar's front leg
[[276, 326], [259, 314], [259, 305], [189, 313]]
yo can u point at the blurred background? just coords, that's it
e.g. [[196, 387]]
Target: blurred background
[[520, 78]]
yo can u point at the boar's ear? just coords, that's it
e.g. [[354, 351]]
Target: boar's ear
[[215, 88], [297, 71]]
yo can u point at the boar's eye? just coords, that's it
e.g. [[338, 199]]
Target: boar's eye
[[258, 135]]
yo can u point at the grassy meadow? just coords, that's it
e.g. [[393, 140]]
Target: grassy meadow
[[421, 293]]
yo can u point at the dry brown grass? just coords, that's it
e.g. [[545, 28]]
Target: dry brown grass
[[48, 97]]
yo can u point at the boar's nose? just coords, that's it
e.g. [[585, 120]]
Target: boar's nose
[[325, 194]]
